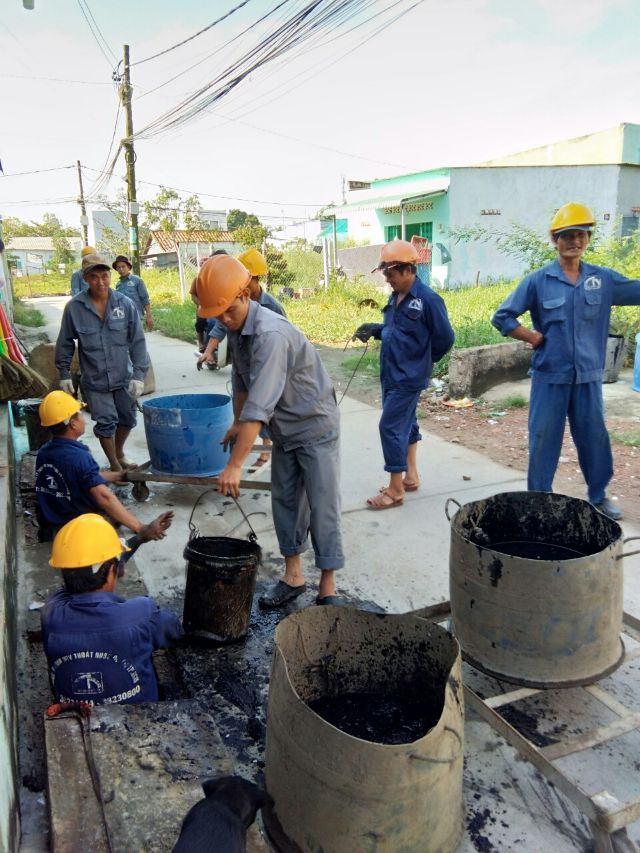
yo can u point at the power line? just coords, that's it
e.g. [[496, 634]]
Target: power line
[[36, 171], [104, 41], [94, 34], [56, 79], [195, 35]]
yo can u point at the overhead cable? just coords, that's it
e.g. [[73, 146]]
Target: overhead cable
[[95, 35], [195, 35], [36, 171]]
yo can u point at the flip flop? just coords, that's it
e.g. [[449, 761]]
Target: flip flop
[[334, 600], [280, 593], [375, 502]]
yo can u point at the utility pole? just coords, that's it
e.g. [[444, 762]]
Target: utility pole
[[130, 159], [83, 208]]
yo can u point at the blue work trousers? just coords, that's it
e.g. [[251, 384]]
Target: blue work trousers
[[550, 406], [305, 498], [398, 426]]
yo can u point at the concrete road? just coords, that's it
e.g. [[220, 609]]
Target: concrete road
[[398, 559]]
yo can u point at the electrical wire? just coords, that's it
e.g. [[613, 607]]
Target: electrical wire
[[195, 35], [94, 34], [104, 41], [37, 171], [103, 172], [56, 79]]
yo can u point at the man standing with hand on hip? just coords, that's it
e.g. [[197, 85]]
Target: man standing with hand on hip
[[113, 357]]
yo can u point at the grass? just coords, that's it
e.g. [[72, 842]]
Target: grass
[[631, 439], [512, 401], [370, 363], [25, 316]]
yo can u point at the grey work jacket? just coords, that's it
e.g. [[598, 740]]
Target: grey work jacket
[[110, 350]]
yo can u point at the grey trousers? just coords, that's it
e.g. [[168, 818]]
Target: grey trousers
[[305, 499]]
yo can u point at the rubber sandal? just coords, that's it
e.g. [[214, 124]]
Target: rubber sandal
[[333, 600], [280, 593], [374, 503]]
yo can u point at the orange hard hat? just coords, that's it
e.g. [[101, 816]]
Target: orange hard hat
[[398, 252], [221, 280]]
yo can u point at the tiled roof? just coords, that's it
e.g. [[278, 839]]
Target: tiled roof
[[40, 244], [167, 240]]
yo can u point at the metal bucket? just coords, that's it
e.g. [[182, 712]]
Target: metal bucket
[[37, 434], [184, 433], [536, 586], [335, 792]]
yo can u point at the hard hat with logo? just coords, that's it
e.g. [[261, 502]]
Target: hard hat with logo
[[254, 261], [221, 280], [87, 250], [58, 407], [88, 540], [397, 252], [572, 217]]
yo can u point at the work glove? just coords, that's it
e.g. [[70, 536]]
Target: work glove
[[366, 331], [66, 385], [135, 389]]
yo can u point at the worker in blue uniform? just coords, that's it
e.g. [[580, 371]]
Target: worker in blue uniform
[[78, 284], [99, 645], [134, 287], [570, 304], [68, 480], [279, 381], [113, 357], [416, 332]]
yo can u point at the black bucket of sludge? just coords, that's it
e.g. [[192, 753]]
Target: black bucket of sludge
[[221, 579]]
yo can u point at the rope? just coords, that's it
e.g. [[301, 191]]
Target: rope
[[364, 352]]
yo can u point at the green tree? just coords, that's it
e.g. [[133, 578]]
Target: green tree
[[251, 236], [62, 254], [191, 210], [239, 218], [279, 273], [49, 227], [518, 241], [163, 212]]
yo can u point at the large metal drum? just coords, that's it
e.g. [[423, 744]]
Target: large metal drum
[[536, 586]]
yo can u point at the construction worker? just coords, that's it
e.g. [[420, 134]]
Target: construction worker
[[256, 264], [279, 381], [133, 287], [113, 357], [202, 325], [415, 333], [78, 284], [570, 305], [68, 480], [99, 646]]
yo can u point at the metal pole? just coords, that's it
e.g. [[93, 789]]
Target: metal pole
[[83, 208], [335, 243], [130, 159], [325, 261]]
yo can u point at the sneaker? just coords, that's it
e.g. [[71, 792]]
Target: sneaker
[[608, 508]]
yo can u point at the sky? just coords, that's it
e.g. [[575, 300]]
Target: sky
[[448, 83]]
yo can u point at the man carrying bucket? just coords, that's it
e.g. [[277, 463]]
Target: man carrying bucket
[[99, 646], [280, 381], [570, 305]]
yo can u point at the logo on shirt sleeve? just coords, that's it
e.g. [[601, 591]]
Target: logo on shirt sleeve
[[415, 304], [117, 313], [593, 282]]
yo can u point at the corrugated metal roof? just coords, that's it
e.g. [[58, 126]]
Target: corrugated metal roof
[[433, 188], [40, 244], [168, 240]]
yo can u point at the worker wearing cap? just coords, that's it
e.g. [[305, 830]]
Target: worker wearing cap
[[68, 480], [280, 381], [99, 646], [78, 284], [570, 305], [134, 287], [415, 333], [113, 357]]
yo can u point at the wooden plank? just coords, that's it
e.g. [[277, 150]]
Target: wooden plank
[[601, 734], [616, 815], [148, 477], [631, 626], [511, 697], [607, 700], [435, 612]]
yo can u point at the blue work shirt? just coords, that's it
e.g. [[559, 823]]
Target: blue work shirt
[[99, 646], [78, 284], [109, 349], [287, 385], [415, 334], [218, 331], [133, 287], [574, 319], [65, 472]]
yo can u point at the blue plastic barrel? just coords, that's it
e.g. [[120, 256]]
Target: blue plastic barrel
[[184, 433], [636, 366]]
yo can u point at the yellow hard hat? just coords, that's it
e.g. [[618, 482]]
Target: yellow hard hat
[[572, 216], [221, 280], [254, 261], [57, 407], [397, 252], [88, 250], [87, 540]]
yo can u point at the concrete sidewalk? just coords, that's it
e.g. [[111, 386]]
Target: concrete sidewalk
[[398, 559]]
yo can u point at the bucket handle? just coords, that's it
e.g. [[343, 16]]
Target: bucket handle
[[430, 760], [193, 530], [446, 507], [630, 553]]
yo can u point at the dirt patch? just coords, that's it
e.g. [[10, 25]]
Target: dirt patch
[[502, 438]]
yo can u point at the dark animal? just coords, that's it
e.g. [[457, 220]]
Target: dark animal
[[219, 823]]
